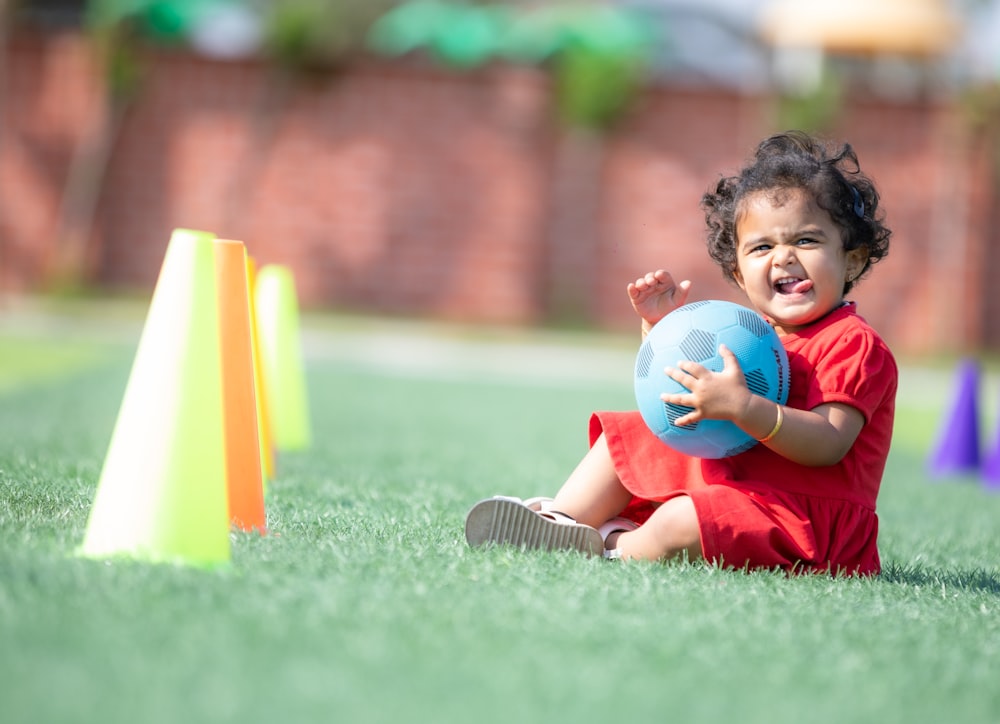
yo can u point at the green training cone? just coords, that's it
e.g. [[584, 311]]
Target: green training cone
[[277, 310], [162, 491]]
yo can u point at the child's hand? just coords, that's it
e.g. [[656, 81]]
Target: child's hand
[[655, 295], [713, 395]]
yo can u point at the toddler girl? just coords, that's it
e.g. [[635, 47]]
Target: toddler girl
[[795, 230]]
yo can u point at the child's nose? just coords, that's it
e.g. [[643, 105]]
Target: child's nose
[[783, 254]]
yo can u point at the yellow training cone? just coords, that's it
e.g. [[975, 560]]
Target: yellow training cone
[[263, 420], [281, 357], [162, 491], [239, 400]]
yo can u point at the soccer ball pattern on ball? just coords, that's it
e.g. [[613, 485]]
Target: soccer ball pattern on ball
[[694, 332]]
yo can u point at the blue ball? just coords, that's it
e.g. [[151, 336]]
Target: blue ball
[[694, 332]]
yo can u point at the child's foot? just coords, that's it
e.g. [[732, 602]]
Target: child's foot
[[611, 532], [509, 521]]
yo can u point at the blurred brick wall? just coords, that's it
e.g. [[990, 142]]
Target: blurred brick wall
[[415, 191]]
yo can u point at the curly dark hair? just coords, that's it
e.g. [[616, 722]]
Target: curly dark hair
[[796, 160]]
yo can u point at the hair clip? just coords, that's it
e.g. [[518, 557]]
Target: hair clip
[[859, 204]]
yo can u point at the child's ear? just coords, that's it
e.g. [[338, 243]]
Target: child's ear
[[856, 259], [738, 278]]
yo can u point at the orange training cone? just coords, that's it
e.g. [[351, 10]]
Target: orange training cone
[[239, 403], [162, 491], [281, 355]]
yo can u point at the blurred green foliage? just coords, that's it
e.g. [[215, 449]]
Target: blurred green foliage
[[597, 53], [815, 111], [593, 89], [161, 20], [297, 34], [118, 26], [318, 35]]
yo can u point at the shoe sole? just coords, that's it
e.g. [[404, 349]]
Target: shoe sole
[[508, 522]]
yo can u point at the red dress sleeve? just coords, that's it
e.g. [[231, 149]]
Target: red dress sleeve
[[855, 368]]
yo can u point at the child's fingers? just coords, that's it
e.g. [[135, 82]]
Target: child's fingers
[[685, 373], [680, 296], [684, 370], [638, 288], [729, 359], [684, 401], [678, 376], [689, 419], [651, 279], [685, 380]]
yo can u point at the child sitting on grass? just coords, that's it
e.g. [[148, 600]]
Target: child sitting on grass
[[795, 230]]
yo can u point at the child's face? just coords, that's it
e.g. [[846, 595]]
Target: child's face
[[790, 258]]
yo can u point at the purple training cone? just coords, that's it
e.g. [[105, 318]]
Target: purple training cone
[[957, 449], [990, 471]]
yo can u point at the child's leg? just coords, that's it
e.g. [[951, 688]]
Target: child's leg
[[593, 493], [671, 530]]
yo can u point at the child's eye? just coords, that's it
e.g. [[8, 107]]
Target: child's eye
[[805, 240]]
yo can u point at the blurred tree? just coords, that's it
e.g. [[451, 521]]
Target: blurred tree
[[307, 41], [318, 36], [596, 55], [305, 38], [815, 109], [113, 38], [110, 44]]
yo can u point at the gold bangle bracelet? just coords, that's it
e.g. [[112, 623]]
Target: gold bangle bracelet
[[777, 426]]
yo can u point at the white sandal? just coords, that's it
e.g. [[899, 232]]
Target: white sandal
[[615, 525], [538, 504], [509, 521]]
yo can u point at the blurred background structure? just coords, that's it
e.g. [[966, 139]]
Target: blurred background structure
[[502, 162]]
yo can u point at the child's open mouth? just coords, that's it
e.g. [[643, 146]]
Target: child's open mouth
[[792, 285]]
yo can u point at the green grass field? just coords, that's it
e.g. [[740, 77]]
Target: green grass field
[[364, 604]]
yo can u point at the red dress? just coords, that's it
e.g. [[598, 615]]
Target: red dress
[[758, 509]]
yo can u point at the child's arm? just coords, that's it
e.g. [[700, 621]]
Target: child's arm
[[821, 436], [655, 295]]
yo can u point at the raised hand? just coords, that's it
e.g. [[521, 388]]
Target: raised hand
[[655, 295]]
